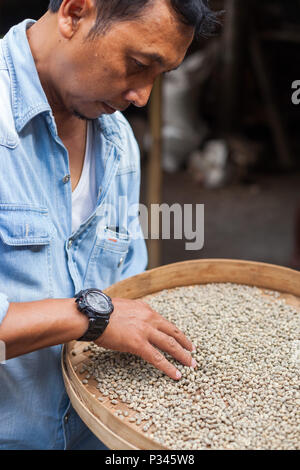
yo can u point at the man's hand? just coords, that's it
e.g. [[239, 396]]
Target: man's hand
[[136, 328]]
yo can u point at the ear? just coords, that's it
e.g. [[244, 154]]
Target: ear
[[71, 13]]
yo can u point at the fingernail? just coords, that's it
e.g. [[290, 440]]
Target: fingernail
[[178, 375], [194, 348], [194, 363]]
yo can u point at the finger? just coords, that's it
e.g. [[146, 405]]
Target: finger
[[171, 330], [170, 345], [158, 360]]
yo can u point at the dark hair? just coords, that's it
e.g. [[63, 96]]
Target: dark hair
[[195, 13]]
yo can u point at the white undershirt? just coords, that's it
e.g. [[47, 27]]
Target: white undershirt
[[84, 196]]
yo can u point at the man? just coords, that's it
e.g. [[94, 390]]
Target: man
[[65, 153]]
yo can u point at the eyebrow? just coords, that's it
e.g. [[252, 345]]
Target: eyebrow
[[157, 58], [154, 57]]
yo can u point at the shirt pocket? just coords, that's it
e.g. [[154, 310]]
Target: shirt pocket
[[107, 258], [25, 251]]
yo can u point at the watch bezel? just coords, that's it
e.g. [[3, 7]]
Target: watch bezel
[[84, 303]]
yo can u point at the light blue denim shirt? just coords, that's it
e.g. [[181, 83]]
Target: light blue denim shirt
[[40, 256]]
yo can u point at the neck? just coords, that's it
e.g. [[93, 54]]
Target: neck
[[42, 43]]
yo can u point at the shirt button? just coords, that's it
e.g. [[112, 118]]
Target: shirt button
[[66, 418], [70, 243], [66, 179]]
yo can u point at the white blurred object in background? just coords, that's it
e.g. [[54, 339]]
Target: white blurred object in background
[[183, 128], [210, 165]]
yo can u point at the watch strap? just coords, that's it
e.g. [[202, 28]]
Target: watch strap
[[95, 329]]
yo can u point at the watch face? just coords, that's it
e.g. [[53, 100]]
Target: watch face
[[98, 302]]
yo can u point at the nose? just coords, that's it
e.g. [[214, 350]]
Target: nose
[[139, 96]]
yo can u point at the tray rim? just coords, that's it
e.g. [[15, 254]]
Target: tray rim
[[254, 270]]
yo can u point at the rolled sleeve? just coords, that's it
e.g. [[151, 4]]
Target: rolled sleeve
[[4, 304]]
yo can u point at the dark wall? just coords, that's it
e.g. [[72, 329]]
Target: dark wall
[[14, 11]]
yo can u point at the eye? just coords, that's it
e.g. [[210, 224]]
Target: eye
[[139, 65]]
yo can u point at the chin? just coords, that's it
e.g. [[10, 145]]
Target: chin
[[94, 113], [83, 117]]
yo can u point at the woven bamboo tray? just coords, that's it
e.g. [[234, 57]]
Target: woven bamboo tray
[[99, 416]]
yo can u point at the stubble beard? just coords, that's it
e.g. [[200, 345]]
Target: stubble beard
[[81, 116]]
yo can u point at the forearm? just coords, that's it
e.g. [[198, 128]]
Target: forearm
[[134, 327], [29, 326]]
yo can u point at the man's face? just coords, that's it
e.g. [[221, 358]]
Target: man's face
[[99, 76]]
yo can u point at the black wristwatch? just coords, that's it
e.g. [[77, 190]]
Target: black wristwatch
[[98, 307]]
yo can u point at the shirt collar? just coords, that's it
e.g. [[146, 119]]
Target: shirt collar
[[28, 96]]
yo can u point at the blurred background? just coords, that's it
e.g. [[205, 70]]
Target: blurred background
[[222, 131]]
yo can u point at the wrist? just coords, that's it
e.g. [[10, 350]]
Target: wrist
[[97, 307], [79, 322]]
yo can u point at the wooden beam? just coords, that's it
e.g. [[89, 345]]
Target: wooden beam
[[154, 170], [233, 46], [265, 85]]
